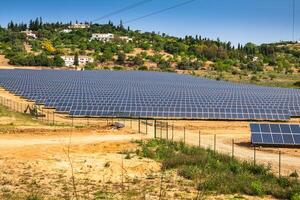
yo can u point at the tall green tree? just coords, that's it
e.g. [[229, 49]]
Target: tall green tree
[[76, 59]]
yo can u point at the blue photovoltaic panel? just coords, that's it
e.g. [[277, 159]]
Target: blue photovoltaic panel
[[275, 134], [152, 95]]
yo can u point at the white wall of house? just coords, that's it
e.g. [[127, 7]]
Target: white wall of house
[[82, 60], [30, 34], [79, 26], [102, 37]]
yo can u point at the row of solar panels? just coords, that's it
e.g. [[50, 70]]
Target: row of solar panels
[[275, 134], [149, 94]]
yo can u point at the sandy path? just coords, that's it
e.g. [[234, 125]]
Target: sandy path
[[23, 140]]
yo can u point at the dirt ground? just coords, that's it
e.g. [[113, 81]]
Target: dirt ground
[[103, 162]]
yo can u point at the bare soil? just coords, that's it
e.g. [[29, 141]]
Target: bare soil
[[102, 161]]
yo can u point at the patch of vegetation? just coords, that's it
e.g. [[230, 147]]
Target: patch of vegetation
[[213, 172], [16, 118]]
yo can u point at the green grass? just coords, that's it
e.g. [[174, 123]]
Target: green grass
[[218, 173], [272, 79], [15, 118]]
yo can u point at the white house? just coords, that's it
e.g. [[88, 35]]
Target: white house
[[79, 26], [104, 37], [66, 31], [82, 60], [30, 34], [126, 38]]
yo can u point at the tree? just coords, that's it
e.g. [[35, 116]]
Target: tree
[[138, 60], [58, 61], [121, 58], [76, 59], [48, 46]]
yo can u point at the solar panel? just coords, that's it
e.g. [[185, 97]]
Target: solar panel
[[275, 134], [151, 95]]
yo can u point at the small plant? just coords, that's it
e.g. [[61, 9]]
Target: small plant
[[296, 196], [33, 197], [257, 188], [254, 79], [128, 156], [294, 174], [107, 164]]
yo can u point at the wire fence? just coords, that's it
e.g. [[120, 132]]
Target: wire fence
[[283, 164]]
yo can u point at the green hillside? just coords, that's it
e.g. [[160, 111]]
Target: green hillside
[[275, 64]]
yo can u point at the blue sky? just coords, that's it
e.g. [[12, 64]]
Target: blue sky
[[258, 21]]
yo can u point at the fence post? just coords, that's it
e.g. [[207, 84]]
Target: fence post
[[160, 130], [279, 163], [215, 143], [184, 135], [199, 138], [232, 149], [48, 116], [146, 126], [172, 132], [42, 113], [254, 156], [155, 129], [139, 125], [72, 120], [53, 119], [167, 130]]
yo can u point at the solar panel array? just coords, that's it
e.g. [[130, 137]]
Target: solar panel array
[[275, 134], [150, 95]]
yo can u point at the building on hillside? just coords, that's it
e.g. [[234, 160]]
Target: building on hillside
[[82, 60], [79, 26], [126, 39], [30, 34], [104, 37], [255, 58], [66, 31]]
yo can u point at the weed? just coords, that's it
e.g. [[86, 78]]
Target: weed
[[213, 172]]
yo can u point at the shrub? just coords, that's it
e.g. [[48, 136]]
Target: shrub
[[220, 173], [127, 156], [294, 174], [117, 68], [143, 68], [257, 188], [189, 172], [297, 84], [296, 196], [254, 78]]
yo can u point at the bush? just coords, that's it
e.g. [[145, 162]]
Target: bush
[[217, 172], [254, 78], [257, 188], [297, 84], [296, 196], [90, 66], [143, 68], [294, 174], [117, 68]]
